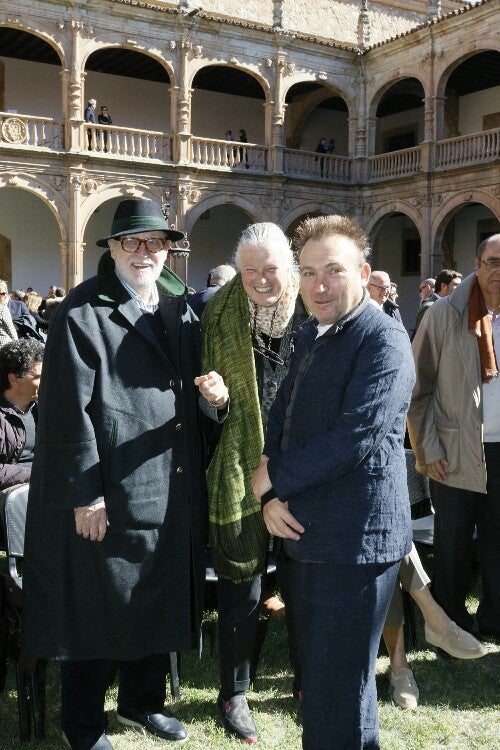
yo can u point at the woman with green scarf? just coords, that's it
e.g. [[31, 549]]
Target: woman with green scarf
[[248, 329]]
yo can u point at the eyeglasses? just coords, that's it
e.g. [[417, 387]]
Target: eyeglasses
[[152, 244], [381, 286], [492, 264]]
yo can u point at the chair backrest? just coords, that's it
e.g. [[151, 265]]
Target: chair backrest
[[13, 504]]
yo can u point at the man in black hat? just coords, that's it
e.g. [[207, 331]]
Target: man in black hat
[[115, 527]]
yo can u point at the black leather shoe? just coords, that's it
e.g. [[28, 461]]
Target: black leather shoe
[[102, 743], [161, 725]]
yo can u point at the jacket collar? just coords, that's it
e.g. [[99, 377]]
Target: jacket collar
[[459, 298], [351, 315]]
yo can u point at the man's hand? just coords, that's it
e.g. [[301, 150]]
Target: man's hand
[[91, 521], [260, 479], [438, 470], [279, 520], [213, 389]]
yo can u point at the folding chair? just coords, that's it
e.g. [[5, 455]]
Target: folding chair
[[30, 671], [422, 512]]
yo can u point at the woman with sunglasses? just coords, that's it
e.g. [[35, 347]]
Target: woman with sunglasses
[[248, 331]]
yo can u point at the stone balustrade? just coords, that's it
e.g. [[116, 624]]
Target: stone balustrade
[[43, 133], [31, 132], [402, 163], [129, 142], [466, 150], [209, 152], [310, 165]]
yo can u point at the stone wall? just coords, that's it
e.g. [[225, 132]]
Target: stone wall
[[257, 11], [338, 21]]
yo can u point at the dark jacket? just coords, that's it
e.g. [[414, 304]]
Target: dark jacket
[[335, 440], [12, 441], [119, 420], [199, 300], [392, 309]]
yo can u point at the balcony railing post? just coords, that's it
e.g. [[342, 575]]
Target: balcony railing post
[[274, 163], [73, 132]]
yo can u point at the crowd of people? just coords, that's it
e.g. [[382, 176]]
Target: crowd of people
[[271, 405]]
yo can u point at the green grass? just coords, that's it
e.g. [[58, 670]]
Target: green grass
[[459, 703]]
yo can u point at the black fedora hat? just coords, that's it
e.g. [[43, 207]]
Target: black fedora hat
[[136, 215]]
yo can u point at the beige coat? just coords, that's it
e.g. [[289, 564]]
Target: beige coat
[[445, 420]]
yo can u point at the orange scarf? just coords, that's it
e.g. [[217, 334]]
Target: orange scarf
[[480, 324]]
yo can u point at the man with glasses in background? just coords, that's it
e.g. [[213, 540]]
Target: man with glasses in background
[[379, 287], [114, 565], [454, 427]]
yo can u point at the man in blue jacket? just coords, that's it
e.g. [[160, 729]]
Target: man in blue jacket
[[333, 482]]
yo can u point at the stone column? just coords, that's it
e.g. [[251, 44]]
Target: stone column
[[72, 250], [74, 79]]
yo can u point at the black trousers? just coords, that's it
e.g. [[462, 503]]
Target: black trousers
[[458, 512], [142, 687], [238, 610]]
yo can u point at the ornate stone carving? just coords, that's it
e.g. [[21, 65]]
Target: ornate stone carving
[[13, 179], [89, 186], [14, 130], [290, 69], [59, 182], [194, 195], [268, 63], [322, 75]]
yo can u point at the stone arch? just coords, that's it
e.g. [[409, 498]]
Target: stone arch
[[397, 207], [452, 206], [294, 215], [108, 42], [397, 241], [56, 41], [457, 56], [309, 102], [97, 197], [385, 86], [200, 208], [198, 64], [48, 194]]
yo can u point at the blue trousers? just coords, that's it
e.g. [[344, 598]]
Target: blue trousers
[[339, 612]]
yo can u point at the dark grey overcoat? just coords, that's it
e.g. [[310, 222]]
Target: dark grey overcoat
[[119, 420]]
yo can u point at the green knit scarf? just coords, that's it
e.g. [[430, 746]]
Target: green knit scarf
[[238, 536]]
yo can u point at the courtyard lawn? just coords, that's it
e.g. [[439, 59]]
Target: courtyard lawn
[[459, 702]]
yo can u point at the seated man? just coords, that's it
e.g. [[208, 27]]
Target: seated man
[[20, 370]]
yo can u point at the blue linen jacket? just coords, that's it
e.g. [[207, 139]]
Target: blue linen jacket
[[335, 440]]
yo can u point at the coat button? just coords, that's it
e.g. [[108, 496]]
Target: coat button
[[172, 383], [179, 470], [178, 427]]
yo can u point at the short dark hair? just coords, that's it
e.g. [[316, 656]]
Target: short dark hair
[[319, 227], [60, 291], [17, 357], [446, 276]]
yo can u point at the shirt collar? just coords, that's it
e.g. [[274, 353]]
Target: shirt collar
[[152, 306]]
